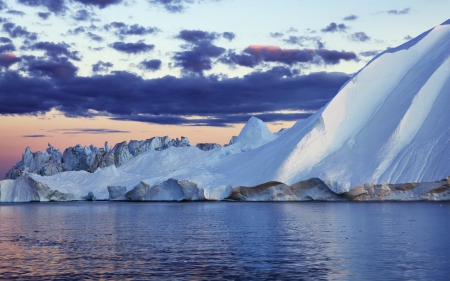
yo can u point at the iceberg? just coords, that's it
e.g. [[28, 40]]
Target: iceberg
[[384, 136]]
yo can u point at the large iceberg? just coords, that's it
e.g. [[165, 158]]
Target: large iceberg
[[388, 124], [385, 136]]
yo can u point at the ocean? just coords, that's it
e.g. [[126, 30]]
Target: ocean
[[225, 240]]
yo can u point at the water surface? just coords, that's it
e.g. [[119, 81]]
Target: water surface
[[225, 240]]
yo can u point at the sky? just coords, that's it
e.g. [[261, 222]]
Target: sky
[[89, 71]]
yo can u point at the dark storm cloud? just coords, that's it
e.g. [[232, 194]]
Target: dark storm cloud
[[7, 47], [18, 31], [151, 65], [276, 34], [198, 58], [351, 17], [34, 136], [168, 100], [15, 12], [334, 27], [57, 68], [132, 48], [6, 60], [43, 15], [121, 29], [255, 54], [55, 6], [399, 12], [94, 37], [101, 66], [359, 37], [55, 50]]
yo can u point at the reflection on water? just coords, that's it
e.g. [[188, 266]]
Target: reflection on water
[[225, 240]]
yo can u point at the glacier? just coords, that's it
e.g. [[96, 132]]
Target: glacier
[[384, 136]]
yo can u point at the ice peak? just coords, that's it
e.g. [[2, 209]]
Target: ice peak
[[255, 133]]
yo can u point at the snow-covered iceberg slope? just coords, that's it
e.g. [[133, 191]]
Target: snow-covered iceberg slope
[[388, 124]]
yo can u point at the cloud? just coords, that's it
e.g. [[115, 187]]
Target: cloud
[[334, 57], [43, 15], [101, 66], [291, 29], [122, 29], [56, 68], [8, 59], [407, 38], [132, 48], [217, 121], [198, 58], [369, 53], [77, 131], [334, 27], [99, 3], [199, 54], [18, 31], [229, 36], [55, 6], [55, 50], [359, 37], [276, 34], [169, 100], [276, 54], [15, 12], [196, 36], [256, 54], [94, 37], [5, 40], [151, 65], [3, 5], [83, 15], [76, 31], [305, 40], [398, 12], [350, 17], [7, 47], [173, 6], [34, 136]]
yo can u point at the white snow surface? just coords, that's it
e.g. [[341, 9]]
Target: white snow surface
[[388, 124]]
